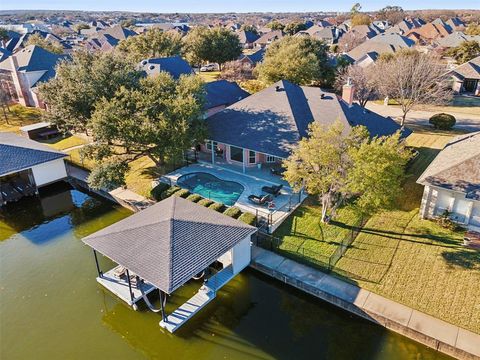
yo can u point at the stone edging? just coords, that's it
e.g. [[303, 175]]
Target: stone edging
[[428, 330]]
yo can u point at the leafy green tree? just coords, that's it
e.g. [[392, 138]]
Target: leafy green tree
[[80, 83], [466, 51], [108, 175], [301, 60], [151, 44], [294, 27], [361, 19], [338, 167], [3, 34], [275, 25], [38, 40], [249, 28], [217, 45], [160, 118]]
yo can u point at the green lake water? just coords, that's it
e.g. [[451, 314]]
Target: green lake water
[[52, 308]]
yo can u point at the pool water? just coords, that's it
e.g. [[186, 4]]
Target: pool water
[[211, 187]]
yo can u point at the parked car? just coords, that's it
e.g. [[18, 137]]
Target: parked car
[[208, 67]]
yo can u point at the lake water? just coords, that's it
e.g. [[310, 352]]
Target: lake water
[[52, 308]]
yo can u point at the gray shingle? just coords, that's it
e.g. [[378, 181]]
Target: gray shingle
[[170, 242]]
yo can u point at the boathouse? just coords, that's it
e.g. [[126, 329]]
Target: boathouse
[[27, 165], [166, 245]]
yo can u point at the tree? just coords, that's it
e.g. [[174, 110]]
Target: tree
[[80, 83], [412, 79], [151, 44], [350, 40], [392, 14], [338, 166], [275, 25], [128, 23], [294, 27], [466, 51], [364, 80], [473, 29], [3, 36], [4, 101], [249, 28], [159, 118], [355, 9], [217, 45], [237, 71], [301, 60], [361, 19], [38, 40], [81, 26]]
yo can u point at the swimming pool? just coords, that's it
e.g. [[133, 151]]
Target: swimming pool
[[211, 187]]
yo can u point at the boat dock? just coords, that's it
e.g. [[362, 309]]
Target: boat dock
[[206, 294]]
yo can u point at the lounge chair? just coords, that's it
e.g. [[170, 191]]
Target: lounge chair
[[274, 190], [260, 200]]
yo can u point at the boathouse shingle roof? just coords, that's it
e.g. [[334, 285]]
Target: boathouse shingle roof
[[170, 242], [19, 153]]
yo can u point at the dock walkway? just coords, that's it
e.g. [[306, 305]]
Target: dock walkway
[[204, 295]]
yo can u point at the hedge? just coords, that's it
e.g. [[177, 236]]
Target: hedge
[[248, 218], [217, 207], [183, 193], [205, 202], [169, 192], [443, 121], [156, 192], [194, 198], [233, 212]]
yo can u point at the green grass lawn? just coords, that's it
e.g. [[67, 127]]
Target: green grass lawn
[[459, 104], [19, 116], [397, 255], [209, 76], [64, 142]]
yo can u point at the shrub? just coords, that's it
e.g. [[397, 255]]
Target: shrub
[[233, 212], [169, 192], [442, 121], [194, 198], [183, 193], [248, 218], [156, 192], [205, 202], [447, 223], [217, 207]]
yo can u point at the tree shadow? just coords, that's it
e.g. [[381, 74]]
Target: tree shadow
[[464, 258]]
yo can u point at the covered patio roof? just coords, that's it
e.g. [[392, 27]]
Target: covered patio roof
[[170, 242]]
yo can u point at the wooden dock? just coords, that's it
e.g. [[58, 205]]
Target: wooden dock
[[206, 294], [119, 287]]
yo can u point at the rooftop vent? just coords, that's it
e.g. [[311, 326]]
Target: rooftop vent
[[322, 96], [144, 62], [277, 88], [151, 67]]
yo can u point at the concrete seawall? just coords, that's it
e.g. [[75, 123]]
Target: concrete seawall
[[435, 333]]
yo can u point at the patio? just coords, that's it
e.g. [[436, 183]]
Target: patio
[[252, 181]]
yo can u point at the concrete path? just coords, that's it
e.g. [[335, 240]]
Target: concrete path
[[467, 122], [421, 327]]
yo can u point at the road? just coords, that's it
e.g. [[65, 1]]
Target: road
[[467, 122]]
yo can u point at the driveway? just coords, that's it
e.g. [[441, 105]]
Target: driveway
[[467, 122]]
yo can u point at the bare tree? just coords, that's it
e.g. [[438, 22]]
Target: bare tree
[[4, 101], [412, 79], [351, 39], [364, 80], [237, 71]]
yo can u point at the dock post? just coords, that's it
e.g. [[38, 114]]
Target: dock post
[[164, 318], [130, 286], [100, 273]]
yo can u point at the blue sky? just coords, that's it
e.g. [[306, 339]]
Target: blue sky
[[230, 5]]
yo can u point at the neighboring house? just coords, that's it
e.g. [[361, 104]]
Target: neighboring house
[[22, 41], [220, 94], [264, 127], [253, 59], [106, 39], [455, 39], [25, 70], [452, 182], [466, 77], [173, 65], [456, 24], [369, 51], [329, 35], [26, 165], [247, 38], [268, 38], [365, 31], [428, 33]]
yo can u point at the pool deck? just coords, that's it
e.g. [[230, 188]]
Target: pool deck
[[284, 203]]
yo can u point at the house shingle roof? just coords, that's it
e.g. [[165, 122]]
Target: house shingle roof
[[173, 65], [170, 242], [469, 70], [247, 37], [19, 153], [223, 92], [272, 122], [457, 166]]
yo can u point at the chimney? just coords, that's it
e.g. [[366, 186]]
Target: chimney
[[348, 90]]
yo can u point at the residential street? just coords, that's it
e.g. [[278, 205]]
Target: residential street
[[468, 122]]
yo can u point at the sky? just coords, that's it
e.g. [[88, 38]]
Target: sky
[[185, 6]]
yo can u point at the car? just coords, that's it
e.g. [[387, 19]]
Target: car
[[208, 67]]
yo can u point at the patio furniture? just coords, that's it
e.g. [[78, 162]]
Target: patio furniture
[[260, 200], [274, 190]]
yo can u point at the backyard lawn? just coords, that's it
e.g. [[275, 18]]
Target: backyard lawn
[[19, 116], [398, 255], [209, 76], [64, 142]]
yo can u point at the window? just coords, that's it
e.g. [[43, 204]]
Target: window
[[270, 159], [209, 145], [251, 157], [236, 154]]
